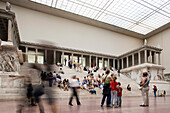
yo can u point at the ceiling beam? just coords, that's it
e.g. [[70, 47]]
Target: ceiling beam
[[156, 31]]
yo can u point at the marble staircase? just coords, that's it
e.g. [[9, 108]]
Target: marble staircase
[[18, 91]]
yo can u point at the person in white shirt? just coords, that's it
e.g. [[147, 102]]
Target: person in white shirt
[[55, 77], [74, 85]]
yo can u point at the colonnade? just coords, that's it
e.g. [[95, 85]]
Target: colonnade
[[92, 59], [137, 57], [140, 57]]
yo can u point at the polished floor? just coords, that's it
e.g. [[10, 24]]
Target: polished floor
[[130, 105]]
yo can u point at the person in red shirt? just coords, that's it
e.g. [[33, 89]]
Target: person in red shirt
[[114, 86], [119, 95], [155, 90]]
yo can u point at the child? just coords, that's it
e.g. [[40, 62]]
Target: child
[[119, 94]]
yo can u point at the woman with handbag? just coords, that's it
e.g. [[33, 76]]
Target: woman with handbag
[[145, 89]]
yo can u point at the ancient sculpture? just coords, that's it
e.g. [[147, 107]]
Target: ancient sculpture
[[9, 62]]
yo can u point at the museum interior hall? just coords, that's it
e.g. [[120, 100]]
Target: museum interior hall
[[84, 56]]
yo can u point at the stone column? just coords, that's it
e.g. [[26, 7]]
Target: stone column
[[54, 60], [133, 62], [122, 63], [62, 58], [26, 54], [45, 55], [113, 63], [90, 61], [150, 56], [102, 62], [108, 63], [159, 59], [72, 58], [139, 60], [118, 66], [96, 61], [154, 57], [145, 56], [82, 60], [10, 31], [127, 61], [36, 56]]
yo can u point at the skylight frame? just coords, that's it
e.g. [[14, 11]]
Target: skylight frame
[[135, 15]]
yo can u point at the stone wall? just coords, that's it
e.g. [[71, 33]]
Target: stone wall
[[135, 72]]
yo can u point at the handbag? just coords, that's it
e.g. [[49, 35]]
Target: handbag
[[141, 87]]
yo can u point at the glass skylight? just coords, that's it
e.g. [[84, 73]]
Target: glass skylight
[[141, 16]]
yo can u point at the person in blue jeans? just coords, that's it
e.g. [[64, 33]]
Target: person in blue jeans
[[106, 79], [119, 95], [114, 86], [154, 90]]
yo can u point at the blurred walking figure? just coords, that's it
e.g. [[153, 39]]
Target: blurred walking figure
[[74, 85]]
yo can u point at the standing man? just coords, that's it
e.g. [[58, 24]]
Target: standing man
[[74, 85], [65, 60]]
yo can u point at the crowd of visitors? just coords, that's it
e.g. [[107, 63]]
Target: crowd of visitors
[[112, 90]]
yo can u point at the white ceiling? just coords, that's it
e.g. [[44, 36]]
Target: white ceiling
[[141, 16]]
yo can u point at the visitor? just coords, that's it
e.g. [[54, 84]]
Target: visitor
[[106, 79], [68, 83], [164, 93], [38, 92], [85, 80], [154, 90], [128, 87], [59, 77], [74, 63], [70, 64], [61, 71], [55, 77], [64, 81], [65, 60], [85, 69], [92, 90], [119, 95], [118, 72], [30, 94], [50, 78], [74, 85], [77, 67], [104, 68], [65, 86], [60, 84], [84, 86], [145, 89], [114, 86]]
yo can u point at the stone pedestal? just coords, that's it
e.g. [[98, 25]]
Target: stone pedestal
[[10, 67], [135, 72]]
